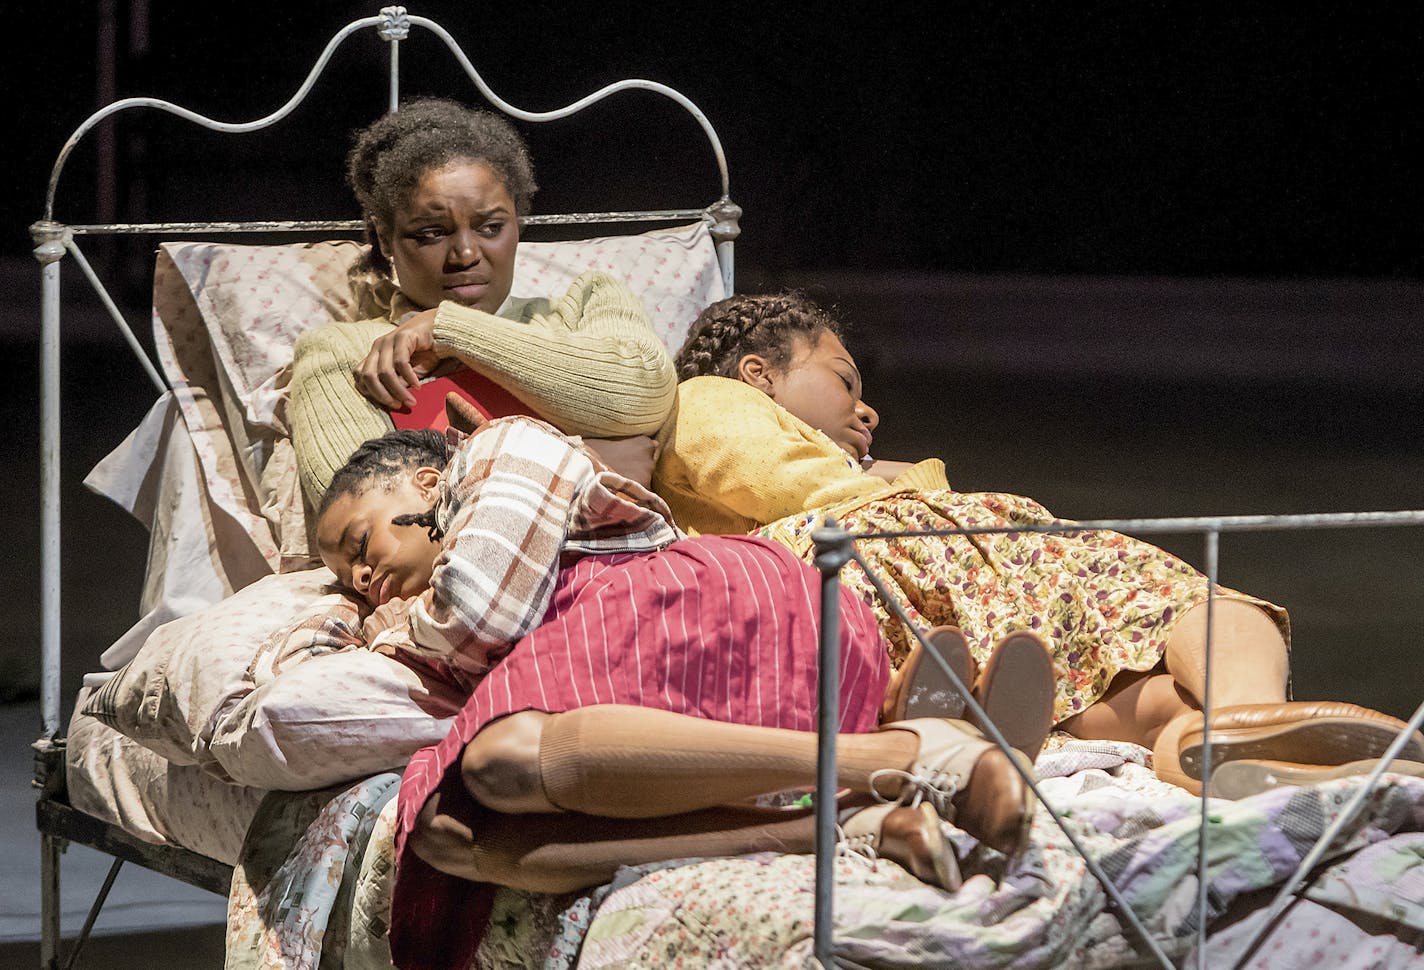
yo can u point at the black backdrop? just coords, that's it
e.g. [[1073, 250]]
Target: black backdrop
[[1095, 138]]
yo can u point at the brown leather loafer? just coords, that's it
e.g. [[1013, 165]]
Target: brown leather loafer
[[1300, 732]]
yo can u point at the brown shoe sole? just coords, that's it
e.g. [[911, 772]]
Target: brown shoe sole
[[1321, 741], [1247, 777], [1016, 691], [929, 691]]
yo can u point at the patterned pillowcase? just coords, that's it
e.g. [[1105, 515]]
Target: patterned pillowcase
[[190, 669], [673, 271], [323, 719], [270, 689], [254, 301]]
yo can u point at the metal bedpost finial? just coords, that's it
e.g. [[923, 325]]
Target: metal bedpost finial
[[50, 238], [833, 546], [726, 216], [395, 24]]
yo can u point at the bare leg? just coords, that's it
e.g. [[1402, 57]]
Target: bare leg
[[1250, 661], [619, 761], [1250, 665], [1135, 708], [560, 853]]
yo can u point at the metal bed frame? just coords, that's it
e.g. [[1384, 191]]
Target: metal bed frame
[[835, 547], [59, 823]]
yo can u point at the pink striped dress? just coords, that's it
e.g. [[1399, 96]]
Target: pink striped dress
[[716, 627]]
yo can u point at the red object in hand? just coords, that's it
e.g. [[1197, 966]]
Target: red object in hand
[[489, 399]]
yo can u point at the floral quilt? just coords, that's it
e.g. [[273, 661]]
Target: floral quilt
[[312, 888]]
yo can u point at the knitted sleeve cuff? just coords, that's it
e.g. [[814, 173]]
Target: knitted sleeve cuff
[[591, 365]]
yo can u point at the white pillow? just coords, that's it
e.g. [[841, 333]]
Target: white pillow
[[243, 690], [328, 719], [192, 667]]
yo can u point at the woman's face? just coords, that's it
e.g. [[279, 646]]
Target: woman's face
[[455, 238], [369, 553], [821, 386]]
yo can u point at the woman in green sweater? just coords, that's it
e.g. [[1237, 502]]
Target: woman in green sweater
[[442, 188]]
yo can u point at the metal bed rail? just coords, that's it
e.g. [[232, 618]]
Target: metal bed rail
[[835, 547], [57, 822]]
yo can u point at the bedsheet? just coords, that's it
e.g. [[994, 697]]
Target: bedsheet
[[1044, 910]]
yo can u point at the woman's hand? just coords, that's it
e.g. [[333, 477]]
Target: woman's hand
[[393, 614], [397, 361], [633, 458], [888, 470]]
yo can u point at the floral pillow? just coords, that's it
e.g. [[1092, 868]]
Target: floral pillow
[[254, 301], [190, 668]]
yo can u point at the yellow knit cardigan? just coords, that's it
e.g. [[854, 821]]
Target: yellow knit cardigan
[[731, 460]]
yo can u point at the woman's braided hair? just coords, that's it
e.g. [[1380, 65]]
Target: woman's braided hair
[[764, 325], [390, 156], [379, 463]]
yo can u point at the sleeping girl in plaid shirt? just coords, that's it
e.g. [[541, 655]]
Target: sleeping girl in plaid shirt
[[632, 691]]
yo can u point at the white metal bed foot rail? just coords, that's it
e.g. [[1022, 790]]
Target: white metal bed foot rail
[[835, 547]]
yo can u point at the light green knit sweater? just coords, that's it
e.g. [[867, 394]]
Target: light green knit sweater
[[588, 363]]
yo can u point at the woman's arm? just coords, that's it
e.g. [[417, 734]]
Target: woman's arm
[[927, 474], [329, 417], [591, 366]]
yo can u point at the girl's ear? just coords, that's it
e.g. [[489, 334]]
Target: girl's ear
[[757, 371], [426, 480]]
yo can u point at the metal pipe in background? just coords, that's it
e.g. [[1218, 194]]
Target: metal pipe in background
[[49, 249]]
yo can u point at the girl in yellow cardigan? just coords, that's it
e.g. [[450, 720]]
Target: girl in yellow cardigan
[[770, 434]]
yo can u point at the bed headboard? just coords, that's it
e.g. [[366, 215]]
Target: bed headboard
[[55, 240]]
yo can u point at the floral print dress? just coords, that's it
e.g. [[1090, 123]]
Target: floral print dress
[[1103, 602]]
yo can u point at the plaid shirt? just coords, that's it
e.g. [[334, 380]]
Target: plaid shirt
[[518, 501]]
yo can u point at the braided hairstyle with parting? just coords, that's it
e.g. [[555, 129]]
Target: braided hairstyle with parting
[[764, 324], [380, 462], [392, 154]]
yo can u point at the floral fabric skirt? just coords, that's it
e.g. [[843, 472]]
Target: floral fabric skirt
[[1104, 602]]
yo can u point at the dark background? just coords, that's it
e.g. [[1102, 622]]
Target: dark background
[[1104, 138], [1127, 258]]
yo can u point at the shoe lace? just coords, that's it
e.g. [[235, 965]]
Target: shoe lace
[[858, 848], [924, 784]]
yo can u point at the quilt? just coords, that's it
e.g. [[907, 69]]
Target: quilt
[[313, 887]]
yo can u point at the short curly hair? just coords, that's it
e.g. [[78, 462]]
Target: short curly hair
[[764, 325], [389, 157], [379, 462]]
